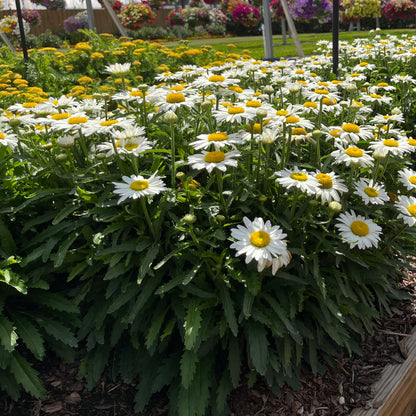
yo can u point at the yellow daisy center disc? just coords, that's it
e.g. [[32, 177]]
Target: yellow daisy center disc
[[60, 116], [77, 120], [391, 143], [136, 94], [299, 131], [256, 128], [260, 239], [335, 133], [371, 192], [236, 89], [175, 97], [217, 137], [139, 185], [412, 142], [2, 136], [108, 123], [351, 128], [131, 146], [215, 157], [382, 84], [282, 112], [253, 103], [310, 104], [216, 78], [412, 179], [299, 176], [360, 228], [354, 152], [235, 110], [292, 119], [329, 101], [375, 96], [324, 180], [29, 105], [412, 210], [321, 91]]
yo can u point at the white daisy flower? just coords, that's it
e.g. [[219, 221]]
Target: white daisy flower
[[352, 133], [72, 122], [408, 178], [217, 139], [389, 146], [174, 100], [262, 242], [358, 230], [118, 69], [136, 186], [103, 126], [330, 187], [211, 160], [371, 192], [298, 178], [407, 208], [214, 81], [232, 113], [352, 155], [8, 140]]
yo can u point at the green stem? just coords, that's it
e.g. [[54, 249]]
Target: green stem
[[147, 216], [220, 189], [173, 151]]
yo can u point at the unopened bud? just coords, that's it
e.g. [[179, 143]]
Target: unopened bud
[[170, 117], [189, 218], [335, 206], [62, 157]]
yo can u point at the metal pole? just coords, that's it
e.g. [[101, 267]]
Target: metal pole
[[283, 23], [90, 10], [22, 30], [267, 30], [335, 36], [292, 28], [116, 20]]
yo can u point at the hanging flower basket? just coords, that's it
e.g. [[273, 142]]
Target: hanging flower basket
[[174, 18], [50, 4], [247, 15], [135, 16]]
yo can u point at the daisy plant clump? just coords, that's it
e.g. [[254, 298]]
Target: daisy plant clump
[[226, 222]]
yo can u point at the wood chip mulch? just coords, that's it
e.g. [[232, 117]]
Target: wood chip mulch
[[336, 393]]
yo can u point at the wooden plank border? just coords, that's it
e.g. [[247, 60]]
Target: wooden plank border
[[395, 392]]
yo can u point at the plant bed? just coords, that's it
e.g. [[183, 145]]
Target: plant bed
[[345, 389]]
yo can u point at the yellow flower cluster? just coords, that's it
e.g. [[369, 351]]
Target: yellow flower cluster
[[356, 9], [8, 23]]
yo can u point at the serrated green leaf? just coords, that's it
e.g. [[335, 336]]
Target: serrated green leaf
[[223, 391], [258, 346], [12, 279], [76, 270], [29, 334], [6, 238], [127, 359], [56, 301], [157, 322], [26, 376], [227, 304], [9, 384], [96, 363], [145, 266], [192, 324], [63, 249], [65, 212], [166, 372], [234, 361], [168, 329], [188, 367], [58, 331], [129, 293], [170, 285]]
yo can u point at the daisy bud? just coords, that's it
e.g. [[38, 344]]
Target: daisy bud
[[47, 146], [335, 206], [262, 198], [180, 176], [189, 219], [220, 218], [355, 106], [316, 134], [350, 87], [206, 105], [379, 154], [61, 157], [268, 89], [170, 117], [143, 87], [261, 113], [100, 155], [396, 111], [15, 123]]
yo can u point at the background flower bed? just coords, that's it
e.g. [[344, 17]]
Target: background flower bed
[[187, 305]]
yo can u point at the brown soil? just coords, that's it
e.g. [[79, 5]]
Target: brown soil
[[336, 393]]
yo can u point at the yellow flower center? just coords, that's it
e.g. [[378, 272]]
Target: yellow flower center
[[412, 142], [375, 96], [323, 83], [391, 143], [412, 210], [136, 94], [2, 136], [108, 122], [260, 239], [292, 119], [177, 88], [217, 137], [216, 78], [363, 63], [351, 128], [236, 89], [329, 101], [310, 104], [256, 128], [235, 110], [299, 131], [175, 97], [282, 112], [300, 71], [412, 179], [131, 146], [253, 103], [354, 152], [215, 157], [382, 84], [77, 120], [335, 133], [371, 192], [321, 91], [299, 176], [29, 105], [324, 180], [60, 116], [139, 185], [360, 228]]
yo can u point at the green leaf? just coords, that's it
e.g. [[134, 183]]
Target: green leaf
[[13, 280], [9, 384], [146, 263], [58, 331], [192, 323], [96, 363], [56, 301], [8, 336], [319, 278], [130, 291], [228, 308], [234, 360], [63, 250], [6, 239], [26, 376], [247, 303], [30, 335], [157, 322], [223, 391], [68, 210], [170, 285], [188, 367], [258, 346], [187, 278]]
